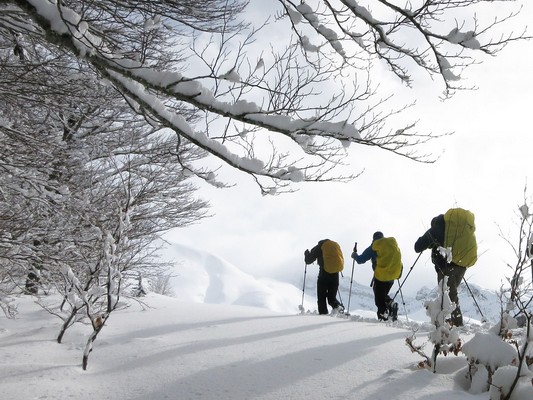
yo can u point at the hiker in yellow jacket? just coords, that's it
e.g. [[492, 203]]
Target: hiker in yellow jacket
[[453, 245], [329, 256], [387, 265]]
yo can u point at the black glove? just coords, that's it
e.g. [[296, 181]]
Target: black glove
[[355, 247], [306, 255]]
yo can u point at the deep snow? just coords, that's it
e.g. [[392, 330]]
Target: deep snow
[[183, 350], [176, 348]]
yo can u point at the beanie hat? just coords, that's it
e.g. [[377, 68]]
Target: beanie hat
[[377, 235]]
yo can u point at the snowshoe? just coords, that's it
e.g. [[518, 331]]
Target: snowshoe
[[337, 311]]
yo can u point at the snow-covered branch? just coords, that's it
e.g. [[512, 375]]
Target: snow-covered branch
[[319, 131], [421, 33], [204, 72]]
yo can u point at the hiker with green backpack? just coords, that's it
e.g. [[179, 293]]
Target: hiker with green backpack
[[453, 245], [387, 265], [329, 256]]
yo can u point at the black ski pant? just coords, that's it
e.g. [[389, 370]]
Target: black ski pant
[[327, 286], [381, 296], [455, 275]]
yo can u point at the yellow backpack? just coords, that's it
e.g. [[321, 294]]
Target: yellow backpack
[[332, 256], [389, 259], [459, 234]]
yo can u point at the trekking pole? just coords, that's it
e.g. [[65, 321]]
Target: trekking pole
[[404, 306], [406, 276], [350, 292], [525, 306], [340, 297], [475, 301], [303, 290]]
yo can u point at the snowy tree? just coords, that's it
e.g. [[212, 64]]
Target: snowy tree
[[88, 186], [521, 281], [282, 115], [517, 299], [117, 206], [506, 369]]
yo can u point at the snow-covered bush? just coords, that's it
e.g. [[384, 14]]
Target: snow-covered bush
[[486, 352], [500, 360], [439, 310], [445, 338], [503, 385]]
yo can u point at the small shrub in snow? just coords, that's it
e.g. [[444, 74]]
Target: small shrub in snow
[[439, 310], [503, 385], [444, 337], [486, 352]]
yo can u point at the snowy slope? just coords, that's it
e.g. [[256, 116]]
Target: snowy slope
[[228, 335], [184, 350], [204, 278]]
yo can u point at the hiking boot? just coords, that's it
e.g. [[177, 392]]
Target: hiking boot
[[383, 317], [393, 311]]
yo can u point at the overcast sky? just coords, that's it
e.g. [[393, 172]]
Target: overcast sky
[[484, 167]]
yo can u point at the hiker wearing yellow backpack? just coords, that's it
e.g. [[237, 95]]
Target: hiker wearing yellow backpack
[[387, 265], [453, 245], [329, 256]]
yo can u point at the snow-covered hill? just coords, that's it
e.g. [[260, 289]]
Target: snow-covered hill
[[204, 278], [185, 348], [201, 277]]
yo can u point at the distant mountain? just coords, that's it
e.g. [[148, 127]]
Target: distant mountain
[[487, 300], [201, 277]]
